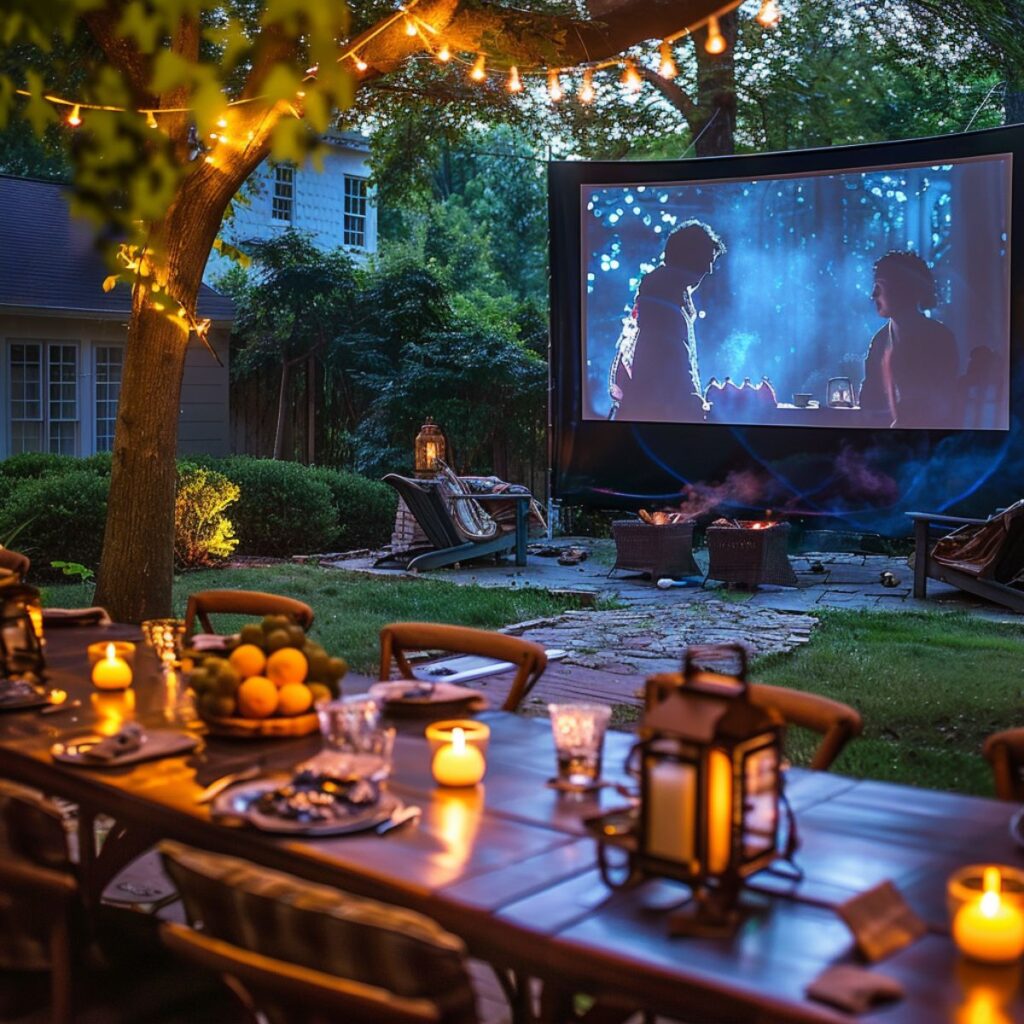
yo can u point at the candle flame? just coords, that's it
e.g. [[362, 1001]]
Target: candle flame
[[458, 740], [111, 652], [991, 881]]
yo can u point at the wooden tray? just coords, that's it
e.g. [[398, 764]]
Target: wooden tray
[[261, 728]]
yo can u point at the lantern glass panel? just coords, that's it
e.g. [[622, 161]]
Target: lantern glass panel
[[761, 797]]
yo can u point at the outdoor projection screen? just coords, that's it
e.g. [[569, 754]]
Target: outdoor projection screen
[[852, 304]]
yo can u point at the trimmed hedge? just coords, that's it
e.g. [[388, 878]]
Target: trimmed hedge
[[283, 508]]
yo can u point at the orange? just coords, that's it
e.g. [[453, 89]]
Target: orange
[[287, 665], [257, 698], [248, 660], [293, 699]]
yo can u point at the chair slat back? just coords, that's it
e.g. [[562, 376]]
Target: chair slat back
[[424, 500], [1005, 753], [15, 561], [529, 658], [205, 603], [324, 930]]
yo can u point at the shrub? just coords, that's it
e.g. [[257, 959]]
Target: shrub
[[283, 509], [63, 515], [203, 535], [33, 465], [99, 463], [365, 509]]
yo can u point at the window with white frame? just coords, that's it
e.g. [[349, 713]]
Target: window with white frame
[[109, 363], [355, 211], [44, 413], [283, 201]]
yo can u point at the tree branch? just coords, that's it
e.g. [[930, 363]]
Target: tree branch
[[122, 52], [674, 93]]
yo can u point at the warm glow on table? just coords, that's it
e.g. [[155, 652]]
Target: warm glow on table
[[990, 929], [112, 708], [111, 672], [457, 763]]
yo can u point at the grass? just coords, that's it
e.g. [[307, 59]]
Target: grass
[[930, 687], [351, 608]]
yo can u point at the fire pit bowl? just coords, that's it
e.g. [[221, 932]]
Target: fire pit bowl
[[749, 552], [658, 550]]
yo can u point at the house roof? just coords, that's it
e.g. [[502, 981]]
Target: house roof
[[49, 261]]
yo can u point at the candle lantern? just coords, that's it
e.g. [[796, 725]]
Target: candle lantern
[[839, 393], [21, 649], [430, 446], [710, 788]]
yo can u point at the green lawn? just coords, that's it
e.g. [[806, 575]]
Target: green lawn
[[350, 607], [931, 687]]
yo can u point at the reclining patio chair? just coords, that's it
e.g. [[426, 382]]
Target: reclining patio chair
[[984, 557], [447, 530]]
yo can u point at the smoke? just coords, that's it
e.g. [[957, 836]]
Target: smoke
[[744, 488]]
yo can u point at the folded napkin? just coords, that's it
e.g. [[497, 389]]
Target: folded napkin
[[127, 741], [853, 989], [57, 617], [209, 642]]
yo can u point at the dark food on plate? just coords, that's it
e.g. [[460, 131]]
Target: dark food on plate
[[315, 797]]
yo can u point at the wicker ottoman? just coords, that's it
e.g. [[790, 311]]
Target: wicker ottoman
[[658, 550], [741, 554]]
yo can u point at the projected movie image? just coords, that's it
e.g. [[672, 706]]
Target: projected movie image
[[872, 298]]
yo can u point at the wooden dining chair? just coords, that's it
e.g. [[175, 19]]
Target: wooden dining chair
[[1004, 751], [301, 953], [529, 658], [837, 723], [15, 562], [205, 603]]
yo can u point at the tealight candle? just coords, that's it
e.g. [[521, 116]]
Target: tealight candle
[[990, 929], [111, 672], [123, 649], [476, 734], [457, 763]]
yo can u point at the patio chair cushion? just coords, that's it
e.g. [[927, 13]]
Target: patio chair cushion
[[469, 516], [325, 929]]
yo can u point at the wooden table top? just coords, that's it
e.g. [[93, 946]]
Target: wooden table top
[[510, 868]]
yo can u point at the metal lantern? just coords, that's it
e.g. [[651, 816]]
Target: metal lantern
[[430, 446], [709, 762], [839, 393], [21, 649]]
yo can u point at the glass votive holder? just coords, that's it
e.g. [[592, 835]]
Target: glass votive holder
[[986, 912], [165, 636], [123, 649], [349, 723], [476, 734], [579, 731]]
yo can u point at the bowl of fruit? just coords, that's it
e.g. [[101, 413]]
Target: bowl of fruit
[[267, 683]]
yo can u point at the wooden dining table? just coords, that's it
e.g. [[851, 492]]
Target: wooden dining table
[[510, 866]]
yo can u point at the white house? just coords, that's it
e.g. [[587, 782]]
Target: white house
[[334, 205]]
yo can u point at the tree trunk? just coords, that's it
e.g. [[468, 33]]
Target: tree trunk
[[714, 125], [137, 566], [311, 394]]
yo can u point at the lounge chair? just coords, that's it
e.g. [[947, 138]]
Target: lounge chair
[[450, 542], [983, 557]]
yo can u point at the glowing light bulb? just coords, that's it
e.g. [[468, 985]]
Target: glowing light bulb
[[667, 68], [769, 15], [410, 27], [210, 160], [514, 83], [300, 95], [361, 64], [444, 54], [586, 93], [151, 120], [554, 86], [716, 41], [222, 122], [479, 72], [75, 117], [631, 78]]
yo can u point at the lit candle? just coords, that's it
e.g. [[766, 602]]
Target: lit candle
[[671, 811], [123, 649], [35, 613], [457, 763], [719, 811], [431, 454], [990, 929], [111, 672]]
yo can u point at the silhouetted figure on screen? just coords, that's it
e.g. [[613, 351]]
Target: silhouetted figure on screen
[[910, 373], [655, 375]]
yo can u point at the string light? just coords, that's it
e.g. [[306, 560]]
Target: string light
[[514, 83], [631, 78], [222, 122], [769, 15], [75, 117], [554, 86], [667, 67], [361, 64], [410, 27], [716, 41], [479, 72], [151, 120], [444, 54], [586, 93]]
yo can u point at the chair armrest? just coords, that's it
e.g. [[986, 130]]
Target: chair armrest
[[491, 497]]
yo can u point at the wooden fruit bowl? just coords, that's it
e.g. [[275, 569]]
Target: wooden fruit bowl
[[262, 728]]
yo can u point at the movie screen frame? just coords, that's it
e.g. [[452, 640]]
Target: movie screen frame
[[601, 460]]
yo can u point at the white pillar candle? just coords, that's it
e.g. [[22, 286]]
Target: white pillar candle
[[671, 800]]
